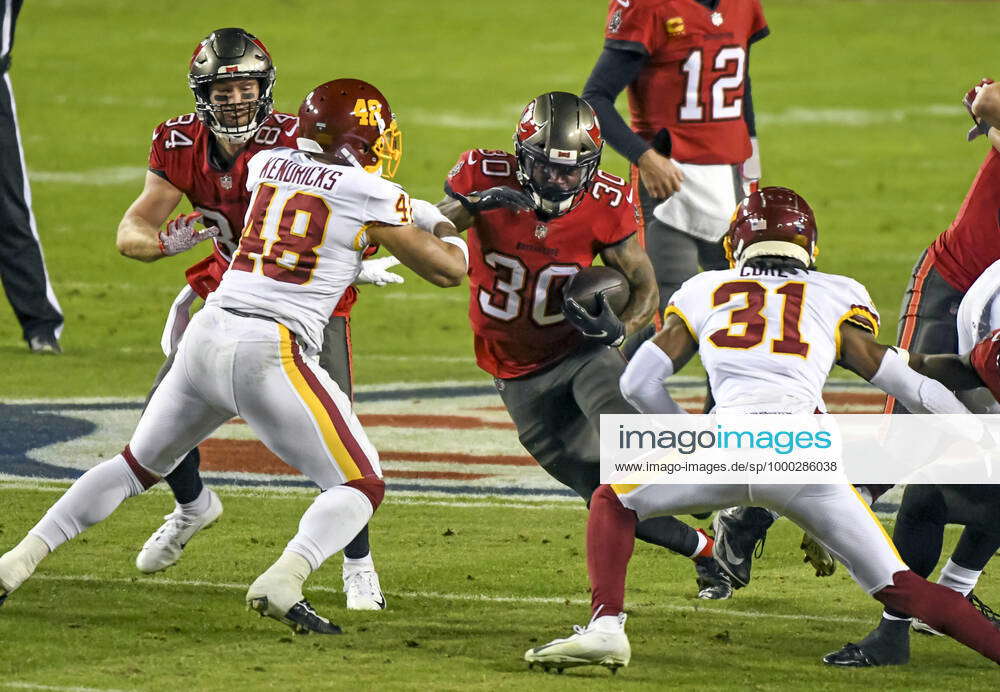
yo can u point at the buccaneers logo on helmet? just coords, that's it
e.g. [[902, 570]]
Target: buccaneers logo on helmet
[[351, 122], [558, 145], [231, 54]]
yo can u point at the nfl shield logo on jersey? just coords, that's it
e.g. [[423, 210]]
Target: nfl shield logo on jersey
[[541, 230], [716, 18], [226, 181]]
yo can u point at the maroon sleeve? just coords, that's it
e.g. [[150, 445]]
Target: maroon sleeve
[[462, 177], [985, 359], [758, 25], [632, 26], [157, 159], [621, 218]]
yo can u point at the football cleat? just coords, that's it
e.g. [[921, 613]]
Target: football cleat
[[986, 611], [737, 532], [165, 546], [45, 344], [363, 590], [817, 556], [601, 643], [713, 583], [301, 617], [849, 656], [277, 595]]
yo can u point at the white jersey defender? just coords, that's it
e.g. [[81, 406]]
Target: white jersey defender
[[785, 324], [304, 236]]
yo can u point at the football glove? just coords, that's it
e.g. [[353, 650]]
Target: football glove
[[494, 198], [605, 327], [377, 272], [981, 127], [181, 234]]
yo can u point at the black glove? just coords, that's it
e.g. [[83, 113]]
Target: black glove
[[604, 327], [493, 198]]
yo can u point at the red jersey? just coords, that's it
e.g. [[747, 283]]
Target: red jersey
[[519, 264], [693, 81], [182, 154], [972, 242]]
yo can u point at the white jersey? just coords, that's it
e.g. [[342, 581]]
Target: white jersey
[[978, 315], [768, 338], [979, 312], [303, 239]]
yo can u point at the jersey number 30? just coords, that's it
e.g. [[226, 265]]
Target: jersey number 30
[[751, 325]]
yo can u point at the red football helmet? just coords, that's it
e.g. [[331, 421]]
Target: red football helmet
[[773, 222], [351, 121], [985, 360]]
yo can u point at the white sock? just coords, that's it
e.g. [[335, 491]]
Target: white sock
[[361, 564], [94, 496], [331, 522], [958, 578], [894, 618], [197, 506]]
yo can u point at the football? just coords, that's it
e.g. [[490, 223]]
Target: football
[[584, 286]]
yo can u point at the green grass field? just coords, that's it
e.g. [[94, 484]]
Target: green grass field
[[858, 106], [464, 602]]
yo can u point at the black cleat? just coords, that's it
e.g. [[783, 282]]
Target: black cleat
[[850, 656], [46, 344], [713, 583], [737, 532], [300, 617], [987, 612], [886, 645]]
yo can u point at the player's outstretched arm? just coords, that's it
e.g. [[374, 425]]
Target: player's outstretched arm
[[139, 229], [442, 261], [456, 213], [630, 259], [887, 369], [654, 362]]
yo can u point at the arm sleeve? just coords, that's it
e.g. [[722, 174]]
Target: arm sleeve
[[616, 68], [388, 205], [642, 381], [917, 393]]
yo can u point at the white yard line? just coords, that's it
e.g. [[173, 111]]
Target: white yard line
[[437, 595], [32, 686]]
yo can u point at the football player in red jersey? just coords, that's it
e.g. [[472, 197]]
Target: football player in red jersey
[[942, 275], [203, 156], [536, 218], [693, 139]]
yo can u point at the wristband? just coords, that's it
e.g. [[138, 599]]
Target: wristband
[[460, 244]]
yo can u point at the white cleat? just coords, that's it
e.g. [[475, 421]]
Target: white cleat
[[363, 590], [165, 546], [601, 643]]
